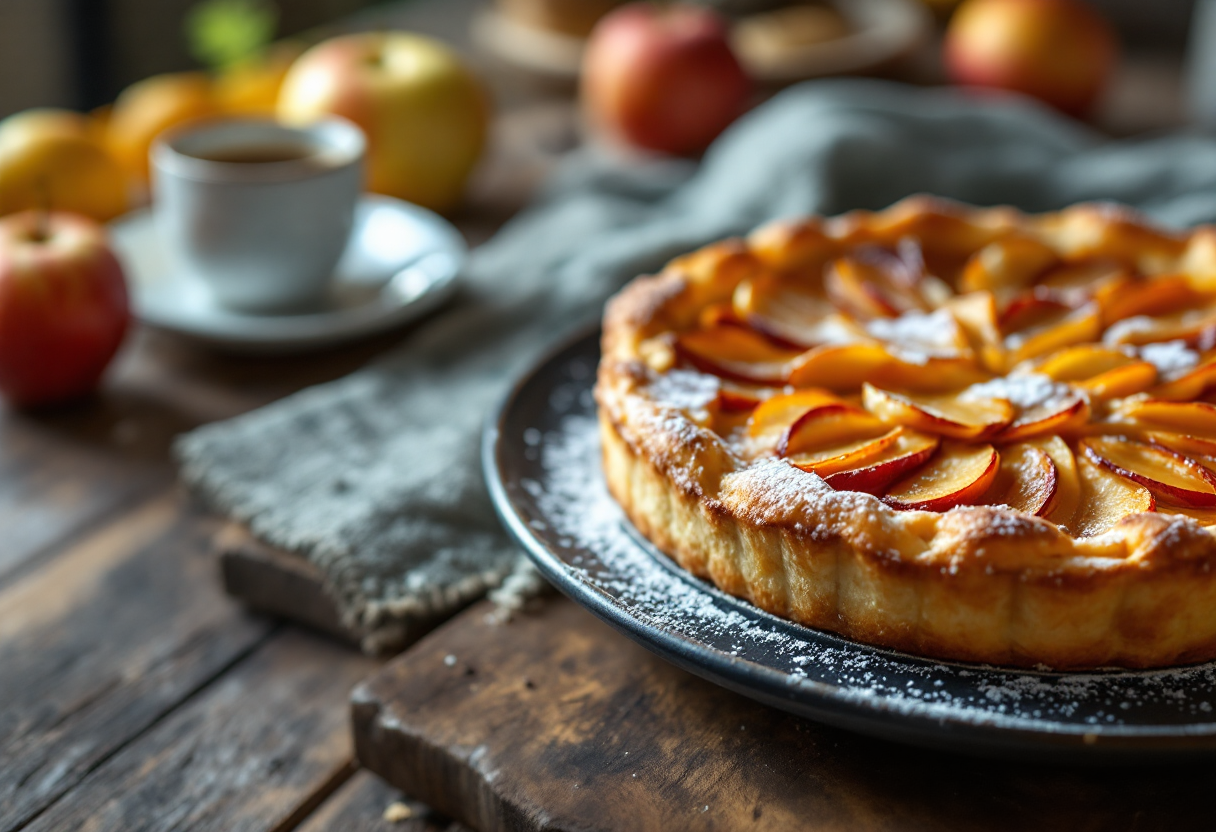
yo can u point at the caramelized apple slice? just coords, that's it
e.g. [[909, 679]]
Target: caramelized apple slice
[[1106, 498], [1008, 264], [1068, 483], [842, 367], [1026, 480], [1147, 296], [738, 353], [1049, 333], [735, 397], [719, 314], [1076, 282], [828, 426], [775, 415], [910, 450], [1201, 450], [1202, 516], [1195, 327], [977, 316], [1190, 385], [790, 312], [958, 475], [1192, 418], [1104, 372], [872, 283], [1170, 476], [845, 457], [1057, 414], [974, 418]]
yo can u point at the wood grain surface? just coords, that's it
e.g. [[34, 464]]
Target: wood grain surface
[[256, 750], [556, 722], [367, 804]]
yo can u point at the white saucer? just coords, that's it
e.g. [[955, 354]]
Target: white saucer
[[401, 263]]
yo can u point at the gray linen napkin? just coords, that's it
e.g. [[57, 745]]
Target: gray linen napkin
[[375, 477]]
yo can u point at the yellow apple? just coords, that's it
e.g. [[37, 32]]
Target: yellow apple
[[251, 86], [1062, 51], [50, 159], [148, 107], [425, 114]]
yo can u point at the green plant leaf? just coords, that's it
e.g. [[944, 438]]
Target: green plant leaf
[[223, 32]]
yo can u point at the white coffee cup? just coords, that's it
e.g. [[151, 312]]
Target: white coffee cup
[[258, 211]]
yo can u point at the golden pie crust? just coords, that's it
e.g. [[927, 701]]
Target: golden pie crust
[[976, 581]]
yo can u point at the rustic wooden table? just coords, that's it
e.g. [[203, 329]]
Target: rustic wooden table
[[133, 694]]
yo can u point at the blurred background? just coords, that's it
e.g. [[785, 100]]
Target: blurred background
[[82, 53]]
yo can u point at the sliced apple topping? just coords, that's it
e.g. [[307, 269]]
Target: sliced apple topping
[[1106, 498], [1192, 418], [1147, 296], [960, 418], [774, 416], [959, 474], [977, 317], [1103, 372], [843, 366], [1191, 384], [1068, 483], [1195, 327], [1012, 263], [1040, 331], [847, 456], [1026, 480], [1078, 281], [719, 314], [873, 283], [737, 352], [1042, 406], [910, 450], [829, 426], [1199, 449], [1170, 476], [791, 312]]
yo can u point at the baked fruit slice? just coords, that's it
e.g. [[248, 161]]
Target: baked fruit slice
[[965, 433]]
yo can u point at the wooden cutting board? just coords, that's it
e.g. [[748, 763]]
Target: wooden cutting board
[[553, 721]]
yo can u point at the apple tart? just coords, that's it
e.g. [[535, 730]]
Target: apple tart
[[965, 433]]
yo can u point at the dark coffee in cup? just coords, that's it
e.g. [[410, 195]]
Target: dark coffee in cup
[[257, 154]]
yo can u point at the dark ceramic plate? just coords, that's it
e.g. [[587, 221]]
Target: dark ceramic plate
[[542, 464]]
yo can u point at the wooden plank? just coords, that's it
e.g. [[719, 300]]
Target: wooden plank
[[276, 582], [367, 804], [104, 640], [556, 722], [256, 750], [53, 487]]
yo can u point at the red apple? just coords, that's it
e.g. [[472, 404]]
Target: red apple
[[663, 77], [63, 306], [1060, 51]]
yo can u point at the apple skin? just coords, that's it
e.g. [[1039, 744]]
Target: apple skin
[[147, 108], [63, 307], [663, 78], [424, 113], [51, 157], [1060, 51]]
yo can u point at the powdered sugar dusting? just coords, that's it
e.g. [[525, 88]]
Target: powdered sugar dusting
[[685, 389], [1025, 390], [918, 336], [1171, 358], [572, 509]]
